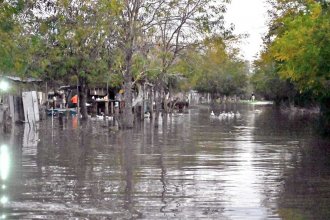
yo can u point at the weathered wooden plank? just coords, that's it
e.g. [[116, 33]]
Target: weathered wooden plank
[[35, 105], [12, 108], [30, 106]]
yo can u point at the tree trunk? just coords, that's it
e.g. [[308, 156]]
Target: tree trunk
[[167, 104], [83, 98], [213, 98], [151, 102], [127, 119], [159, 107], [325, 116]]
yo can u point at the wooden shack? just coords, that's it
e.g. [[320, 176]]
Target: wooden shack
[[102, 101], [21, 99]]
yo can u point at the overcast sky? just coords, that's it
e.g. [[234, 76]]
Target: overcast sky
[[248, 16]]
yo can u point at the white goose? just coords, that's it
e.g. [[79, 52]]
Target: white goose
[[109, 118], [147, 115], [99, 117], [223, 115]]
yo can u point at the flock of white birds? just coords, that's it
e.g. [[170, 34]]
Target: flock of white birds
[[225, 115], [230, 115]]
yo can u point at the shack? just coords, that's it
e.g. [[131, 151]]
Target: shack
[[104, 101], [19, 99], [100, 100]]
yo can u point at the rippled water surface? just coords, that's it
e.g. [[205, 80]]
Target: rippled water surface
[[262, 165]]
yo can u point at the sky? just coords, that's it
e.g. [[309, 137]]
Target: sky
[[249, 17]]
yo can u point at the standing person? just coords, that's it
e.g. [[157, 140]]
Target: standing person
[[74, 101], [253, 97]]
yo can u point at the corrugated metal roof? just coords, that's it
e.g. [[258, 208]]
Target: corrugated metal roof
[[19, 79]]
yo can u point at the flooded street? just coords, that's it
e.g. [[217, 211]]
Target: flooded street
[[261, 165]]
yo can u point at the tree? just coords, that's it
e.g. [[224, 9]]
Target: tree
[[298, 43], [11, 57], [303, 49], [134, 20], [181, 24], [215, 68], [75, 39], [267, 83]]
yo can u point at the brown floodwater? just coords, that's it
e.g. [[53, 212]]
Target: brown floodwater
[[260, 165]]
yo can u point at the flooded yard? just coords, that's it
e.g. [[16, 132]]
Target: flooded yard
[[260, 165]]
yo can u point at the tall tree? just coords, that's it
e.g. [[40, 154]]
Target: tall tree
[[180, 25], [303, 49], [135, 21], [216, 68], [76, 41], [267, 83], [298, 44]]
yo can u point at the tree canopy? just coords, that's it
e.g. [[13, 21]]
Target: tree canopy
[[297, 45], [122, 43], [295, 64], [215, 68], [11, 53]]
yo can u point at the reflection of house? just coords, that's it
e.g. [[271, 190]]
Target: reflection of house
[[30, 136]]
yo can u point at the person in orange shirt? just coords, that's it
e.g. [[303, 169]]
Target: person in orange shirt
[[74, 101]]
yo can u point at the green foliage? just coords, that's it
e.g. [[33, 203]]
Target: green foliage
[[179, 25], [295, 65], [215, 70], [63, 41], [302, 48], [267, 83], [11, 55], [72, 41]]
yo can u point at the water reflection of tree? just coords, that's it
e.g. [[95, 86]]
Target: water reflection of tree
[[172, 139], [277, 152], [129, 166], [301, 165], [162, 167], [178, 168], [80, 152], [306, 190]]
